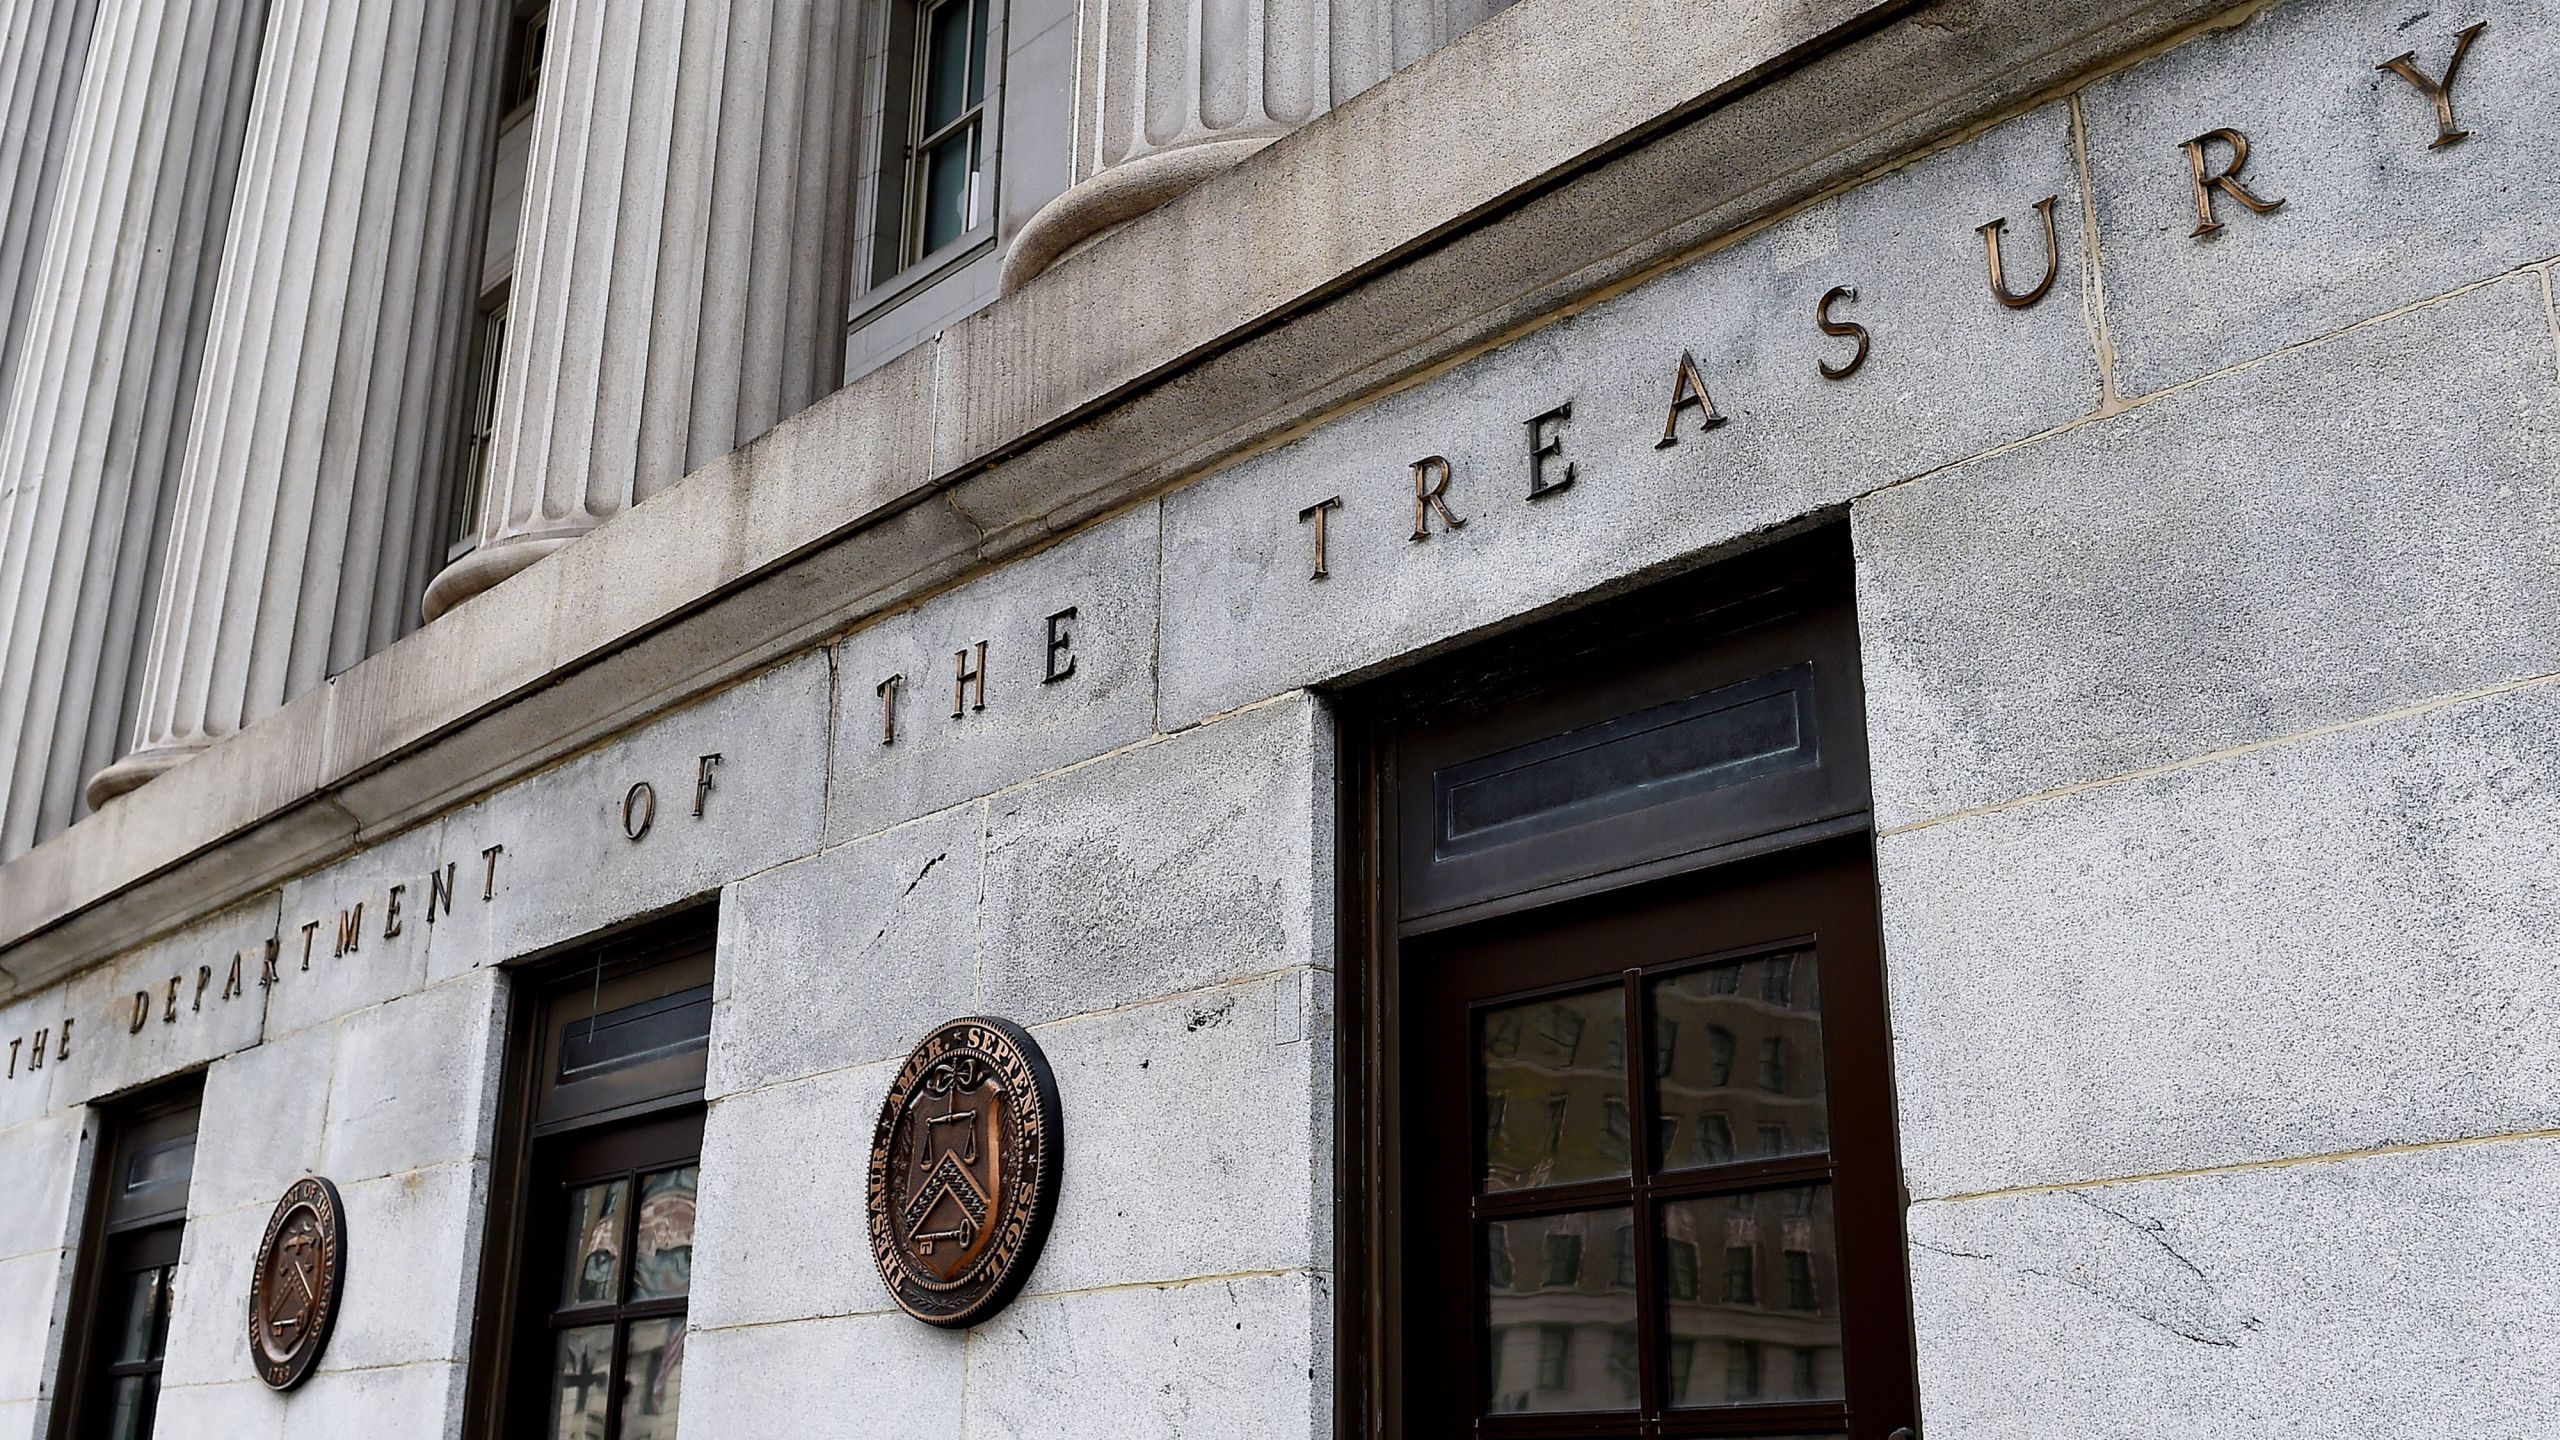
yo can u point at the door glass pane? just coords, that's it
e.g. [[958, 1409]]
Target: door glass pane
[[1561, 1313], [129, 1410], [595, 1245], [1751, 1298], [652, 1374], [1554, 1090], [143, 1333], [662, 1251], [1737, 1063], [581, 1372]]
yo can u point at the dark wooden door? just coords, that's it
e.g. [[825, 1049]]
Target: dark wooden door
[[1652, 1187]]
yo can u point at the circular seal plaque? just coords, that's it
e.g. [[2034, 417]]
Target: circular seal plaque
[[964, 1171], [293, 1295]]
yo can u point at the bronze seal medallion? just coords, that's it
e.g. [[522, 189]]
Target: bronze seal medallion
[[293, 1294], [964, 1171]]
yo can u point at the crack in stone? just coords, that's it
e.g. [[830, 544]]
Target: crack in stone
[[892, 918], [2154, 1230]]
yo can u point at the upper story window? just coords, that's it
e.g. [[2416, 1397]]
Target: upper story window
[[935, 194], [520, 85]]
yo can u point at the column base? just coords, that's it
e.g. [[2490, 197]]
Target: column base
[[1123, 192], [484, 568], [136, 769]]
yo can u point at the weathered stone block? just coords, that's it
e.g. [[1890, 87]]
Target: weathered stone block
[[1203, 858], [174, 988], [2331, 944], [345, 941], [266, 1110], [1199, 1138], [30, 1296], [1254, 1363], [571, 865], [402, 1402], [1952, 373], [2340, 1298], [43, 1161], [2253, 557], [414, 1082], [1020, 723], [2373, 218], [885, 1375], [780, 1233], [848, 957]]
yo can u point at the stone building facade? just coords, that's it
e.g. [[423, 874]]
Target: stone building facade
[[1988, 568]]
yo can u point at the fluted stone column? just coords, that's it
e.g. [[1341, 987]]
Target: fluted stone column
[[682, 273], [1171, 92], [96, 426], [330, 399], [44, 47]]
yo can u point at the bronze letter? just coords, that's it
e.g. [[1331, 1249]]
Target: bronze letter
[[1061, 639], [14, 1043], [308, 931], [391, 913], [231, 983], [1991, 234], [489, 886], [702, 769], [962, 674], [204, 977], [1845, 328], [141, 1012], [35, 1060], [887, 690], [62, 1042], [1317, 512], [1431, 476], [637, 816], [1688, 392], [267, 975], [440, 887], [1543, 446], [350, 930], [169, 1016], [2228, 181], [2440, 91]]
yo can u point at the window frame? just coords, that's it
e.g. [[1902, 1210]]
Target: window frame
[[113, 1246], [538, 1129], [888, 271], [1571, 664]]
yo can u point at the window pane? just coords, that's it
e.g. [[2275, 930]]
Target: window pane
[[129, 1412], [1766, 1327], [1549, 1074], [581, 1372], [1562, 1320], [946, 64], [652, 1374], [977, 51], [142, 1333], [948, 176], [1738, 1051], [662, 1251], [595, 1245]]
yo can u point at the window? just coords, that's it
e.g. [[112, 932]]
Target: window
[[129, 1268], [519, 87], [1573, 830], [936, 189], [488, 358], [592, 1262], [1564, 1259]]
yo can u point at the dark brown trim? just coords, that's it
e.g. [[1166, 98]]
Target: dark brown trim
[[686, 935], [80, 1377]]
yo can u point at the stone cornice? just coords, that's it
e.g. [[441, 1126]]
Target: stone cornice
[[1346, 258]]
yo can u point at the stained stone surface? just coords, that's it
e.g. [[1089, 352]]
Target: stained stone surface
[[2228, 564], [2373, 218], [2348, 1297]]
